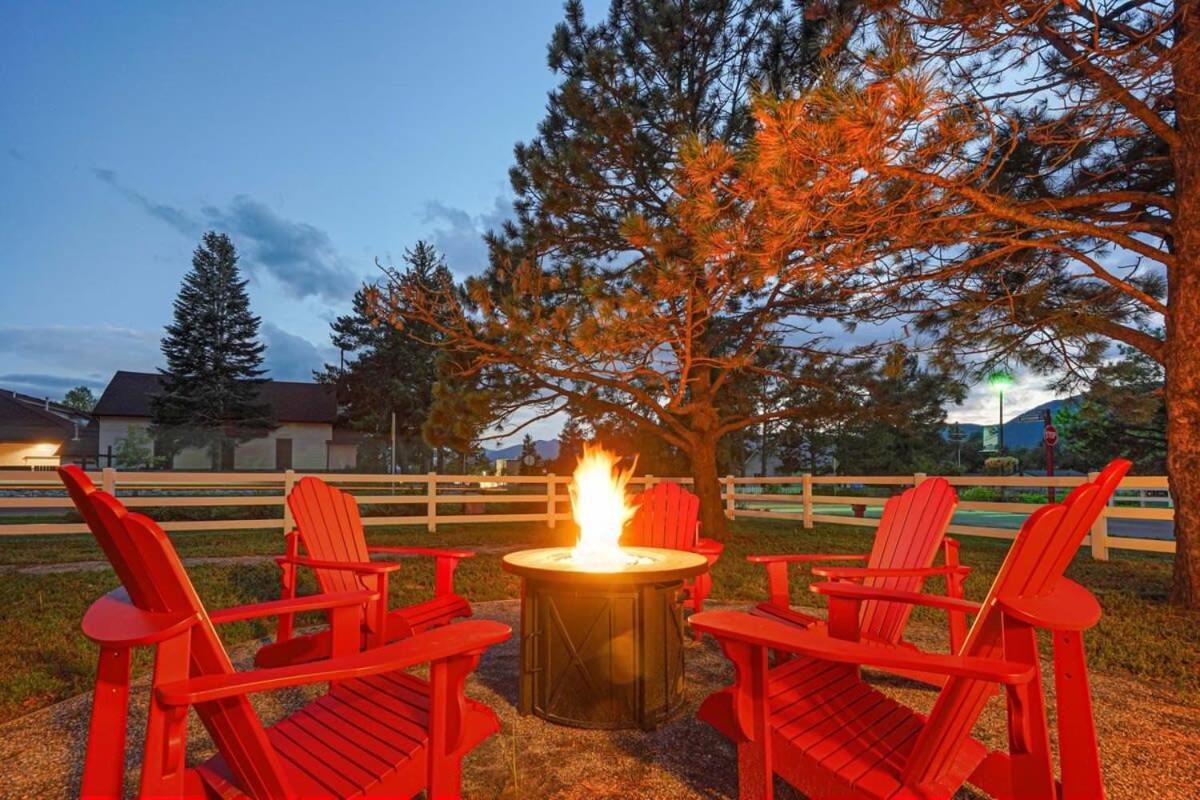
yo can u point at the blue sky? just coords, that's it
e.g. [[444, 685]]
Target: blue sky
[[320, 137]]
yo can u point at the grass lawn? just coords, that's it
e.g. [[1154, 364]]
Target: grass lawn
[[45, 658]]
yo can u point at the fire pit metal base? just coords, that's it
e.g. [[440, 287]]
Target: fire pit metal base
[[603, 650]]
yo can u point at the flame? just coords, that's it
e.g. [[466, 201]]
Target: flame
[[601, 510]]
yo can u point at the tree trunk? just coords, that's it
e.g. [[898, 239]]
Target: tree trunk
[[708, 487], [1183, 321]]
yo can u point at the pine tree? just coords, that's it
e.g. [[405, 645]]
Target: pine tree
[[80, 398], [604, 294], [389, 370], [210, 394], [530, 458], [1022, 178]]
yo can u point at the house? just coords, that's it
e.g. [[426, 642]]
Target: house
[[36, 433], [306, 437]]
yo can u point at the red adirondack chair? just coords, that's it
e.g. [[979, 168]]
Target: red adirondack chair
[[378, 732], [813, 721], [329, 528], [668, 516], [911, 530]]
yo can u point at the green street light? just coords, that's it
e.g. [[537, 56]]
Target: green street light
[[1000, 380]]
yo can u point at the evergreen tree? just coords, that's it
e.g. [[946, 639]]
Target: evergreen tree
[[571, 439], [1023, 176], [81, 399], [389, 370], [1123, 413], [609, 295], [530, 458], [211, 386]]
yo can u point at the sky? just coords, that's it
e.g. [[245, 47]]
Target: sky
[[322, 138]]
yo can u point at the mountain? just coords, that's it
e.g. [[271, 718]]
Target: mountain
[[546, 449], [1020, 434]]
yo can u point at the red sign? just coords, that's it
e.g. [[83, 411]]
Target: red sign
[[1050, 436]]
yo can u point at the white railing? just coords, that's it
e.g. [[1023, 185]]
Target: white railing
[[803, 498]]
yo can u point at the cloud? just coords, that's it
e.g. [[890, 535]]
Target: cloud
[[52, 386], [299, 256], [92, 351], [290, 357], [459, 234], [177, 218], [982, 404], [46, 361]]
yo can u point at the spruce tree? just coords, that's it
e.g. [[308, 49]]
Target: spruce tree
[[389, 370], [211, 386]]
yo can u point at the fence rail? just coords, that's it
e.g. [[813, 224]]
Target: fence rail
[[467, 499]]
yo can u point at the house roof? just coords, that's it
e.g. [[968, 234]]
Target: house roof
[[21, 422], [128, 395]]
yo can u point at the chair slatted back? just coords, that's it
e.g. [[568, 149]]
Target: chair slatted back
[[1036, 561], [911, 530], [137, 546], [667, 516], [330, 529], [80, 488]]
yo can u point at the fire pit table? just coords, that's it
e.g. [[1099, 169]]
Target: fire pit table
[[602, 649]]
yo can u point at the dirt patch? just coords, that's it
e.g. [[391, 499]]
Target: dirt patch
[[1150, 742]]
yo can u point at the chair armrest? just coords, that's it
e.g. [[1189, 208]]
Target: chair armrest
[[1070, 607], [770, 559], [888, 572], [709, 547], [852, 591], [434, 552], [361, 567], [291, 605], [768, 633], [114, 621], [435, 645]]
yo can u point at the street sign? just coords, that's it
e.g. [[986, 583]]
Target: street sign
[[1050, 436], [991, 438]]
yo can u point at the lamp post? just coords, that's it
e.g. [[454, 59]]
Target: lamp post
[[1000, 380]]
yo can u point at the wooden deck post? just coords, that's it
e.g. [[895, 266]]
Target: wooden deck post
[[730, 508], [918, 477], [806, 489], [551, 501], [289, 480], [108, 480], [431, 502], [1099, 534]]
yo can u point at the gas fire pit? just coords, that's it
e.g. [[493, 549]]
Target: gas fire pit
[[602, 625], [602, 649]]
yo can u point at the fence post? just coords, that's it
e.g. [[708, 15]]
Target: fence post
[[729, 504], [1100, 528], [289, 480], [806, 487], [551, 501], [431, 502], [108, 480], [649, 484], [918, 477]]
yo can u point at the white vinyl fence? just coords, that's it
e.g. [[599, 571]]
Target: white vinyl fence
[[434, 499]]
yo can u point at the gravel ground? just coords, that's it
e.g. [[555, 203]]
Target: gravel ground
[[1150, 742]]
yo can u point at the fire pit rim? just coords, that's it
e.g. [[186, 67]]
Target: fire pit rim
[[671, 565]]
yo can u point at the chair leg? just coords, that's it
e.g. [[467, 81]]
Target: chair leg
[[104, 765], [1029, 735], [1079, 755]]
